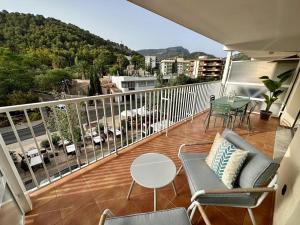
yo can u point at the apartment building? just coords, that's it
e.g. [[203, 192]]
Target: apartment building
[[130, 83], [151, 62], [167, 66], [183, 66], [207, 67]]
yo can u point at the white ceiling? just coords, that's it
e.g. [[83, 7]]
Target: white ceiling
[[244, 25]]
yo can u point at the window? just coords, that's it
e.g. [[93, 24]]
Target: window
[[142, 83]]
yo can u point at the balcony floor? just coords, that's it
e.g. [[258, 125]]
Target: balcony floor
[[81, 197]]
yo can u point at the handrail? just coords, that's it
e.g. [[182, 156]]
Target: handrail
[[272, 187], [89, 98], [92, 132]]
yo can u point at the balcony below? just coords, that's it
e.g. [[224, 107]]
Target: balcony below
[[81, 197]]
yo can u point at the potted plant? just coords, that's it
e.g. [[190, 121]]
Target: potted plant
[[274, 89]]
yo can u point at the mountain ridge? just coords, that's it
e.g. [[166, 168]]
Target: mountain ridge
[[170, 52]]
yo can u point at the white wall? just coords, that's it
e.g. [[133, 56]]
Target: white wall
[[292, 107], [287, 206]]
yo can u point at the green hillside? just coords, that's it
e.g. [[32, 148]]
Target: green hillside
[[38, 54]]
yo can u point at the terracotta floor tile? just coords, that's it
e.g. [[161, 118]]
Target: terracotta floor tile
[[119, 206], [44, 218], [81, 199], [88, 214]]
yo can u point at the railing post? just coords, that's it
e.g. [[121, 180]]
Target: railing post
[[105, 124], [90, 128], [81, 131], [113, 123], [168, 111], [13, 178], [126, 118], [22, 149], [37, 145]]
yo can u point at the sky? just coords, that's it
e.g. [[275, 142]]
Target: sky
[[119, 21]]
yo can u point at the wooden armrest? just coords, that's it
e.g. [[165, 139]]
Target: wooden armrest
[[234, 191], [106, 213]]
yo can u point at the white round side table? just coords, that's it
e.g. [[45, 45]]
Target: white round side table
[[152, 170]]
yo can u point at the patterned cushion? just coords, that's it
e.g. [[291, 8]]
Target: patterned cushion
[[233, 167], [227, 162], [214, 149]]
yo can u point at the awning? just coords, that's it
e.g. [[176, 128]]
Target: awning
[[253, 27]]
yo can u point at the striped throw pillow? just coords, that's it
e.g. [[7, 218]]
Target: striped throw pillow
[[214, 149], [227, 162]]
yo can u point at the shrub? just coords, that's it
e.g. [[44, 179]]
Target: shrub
[[45, 143], [55, 139]]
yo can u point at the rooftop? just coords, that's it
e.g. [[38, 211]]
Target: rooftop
[[80, 197]]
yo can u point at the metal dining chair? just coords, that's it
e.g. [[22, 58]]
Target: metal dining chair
[[251, 107], [219, 110], [241, 112], [211, 99]]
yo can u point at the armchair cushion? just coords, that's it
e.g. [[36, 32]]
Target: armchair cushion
[[213, 150], [225, 160], [258, 168], [176, 216], [201, 177]]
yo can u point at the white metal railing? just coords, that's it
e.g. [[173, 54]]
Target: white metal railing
[[79, 131]]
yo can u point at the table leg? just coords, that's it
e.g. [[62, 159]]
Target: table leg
[[154, 199], [130, 189], [174, 188]]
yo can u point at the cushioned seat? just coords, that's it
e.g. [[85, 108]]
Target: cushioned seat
[[201, 177], [256, 171], [176, 216]]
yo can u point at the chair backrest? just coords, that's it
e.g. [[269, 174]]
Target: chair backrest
[[211, 98], [218, 108], [258, 168], [252, 106]]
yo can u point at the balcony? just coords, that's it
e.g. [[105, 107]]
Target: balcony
[[88, 169], [80, 197]]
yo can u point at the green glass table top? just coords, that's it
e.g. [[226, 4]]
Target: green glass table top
[[236, 104]]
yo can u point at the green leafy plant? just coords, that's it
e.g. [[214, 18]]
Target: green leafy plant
[[45, 143], [274, 87], [55, 139]]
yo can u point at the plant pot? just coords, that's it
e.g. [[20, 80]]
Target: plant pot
[[265, 115]]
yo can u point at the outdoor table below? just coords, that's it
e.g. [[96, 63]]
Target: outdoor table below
[[237, 103]]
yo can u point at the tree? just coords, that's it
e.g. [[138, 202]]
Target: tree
[[83, 68], [94, 86], [53, 80], [19, 97], [138, 61], [183, 79], [122, 61], [114, 70], [61, 122], [15, 74]]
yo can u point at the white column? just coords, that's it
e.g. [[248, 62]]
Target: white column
[[226, 71]]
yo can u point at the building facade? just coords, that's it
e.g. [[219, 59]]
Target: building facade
[[182, 66], [206, 67], [167, 66], [151, 62], [129, 83]]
